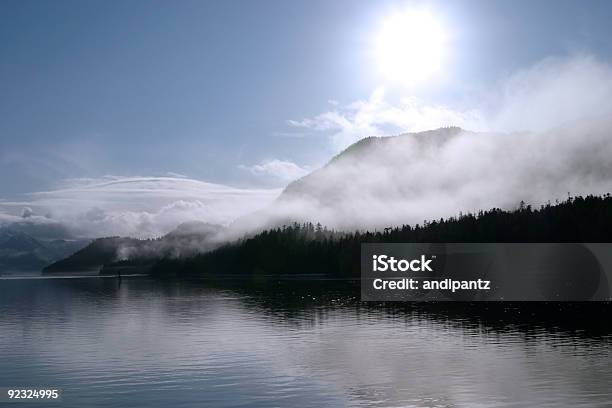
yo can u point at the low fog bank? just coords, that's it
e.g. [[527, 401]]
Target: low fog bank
[[138, 207], [381, 182], [188, 239]]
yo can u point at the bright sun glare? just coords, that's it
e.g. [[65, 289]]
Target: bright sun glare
[[410, 47]]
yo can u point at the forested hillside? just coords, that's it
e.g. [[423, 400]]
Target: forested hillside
[[313, 249]]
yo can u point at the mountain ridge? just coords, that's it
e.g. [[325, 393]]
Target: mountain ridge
[[186, 239], [364, 147], [20, 252]]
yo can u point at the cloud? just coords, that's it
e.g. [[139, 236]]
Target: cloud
[[278, 170], [176, 175], [136, 206], [537, 98], [290, 135], [553, 91], [376, 116]]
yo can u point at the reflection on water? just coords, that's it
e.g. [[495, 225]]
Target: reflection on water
[[294, 343]]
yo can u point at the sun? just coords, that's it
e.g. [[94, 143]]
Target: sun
[[410, 47]]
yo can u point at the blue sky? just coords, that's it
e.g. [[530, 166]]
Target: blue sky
[[207, 88]]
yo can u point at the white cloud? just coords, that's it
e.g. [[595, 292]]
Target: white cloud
[[376, 116], [551, 92], [136, 206], [176, 175], [279, 170]]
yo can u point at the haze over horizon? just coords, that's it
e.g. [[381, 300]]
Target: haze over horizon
[[129, 119]]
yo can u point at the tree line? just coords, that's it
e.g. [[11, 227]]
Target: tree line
[[307, 248]]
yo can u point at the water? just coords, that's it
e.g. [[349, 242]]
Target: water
[[294, 343]]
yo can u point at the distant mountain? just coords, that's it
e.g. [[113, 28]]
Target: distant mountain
[[99, 252], [335, 179], [20, 252], [374, 183], [187, 239], [13, 240], [380, 182], [49, 230]]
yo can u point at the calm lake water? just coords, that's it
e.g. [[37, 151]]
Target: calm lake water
[[145, 343]]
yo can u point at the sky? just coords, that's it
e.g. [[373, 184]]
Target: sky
[[251, 95]]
